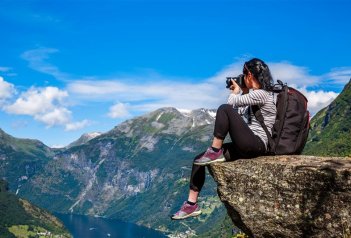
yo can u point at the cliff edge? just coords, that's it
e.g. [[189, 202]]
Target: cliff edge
[[287, 196]]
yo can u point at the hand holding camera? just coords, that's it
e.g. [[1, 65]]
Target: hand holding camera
[[235, 83]]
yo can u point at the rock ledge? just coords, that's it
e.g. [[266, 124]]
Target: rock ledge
[[287, 196]]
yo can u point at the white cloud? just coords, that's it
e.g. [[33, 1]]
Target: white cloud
[[55, 116], [45, 105], [292, 74], [77, 125], [37, 101], [37, 60], [230, 70], [151, 93], [340, 75], [6, 89], [97, 88], [119, 110], [300, 78], [149, 96], [318, 99]]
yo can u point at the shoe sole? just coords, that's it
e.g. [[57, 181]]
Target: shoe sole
[[194, 214], [210, 162]]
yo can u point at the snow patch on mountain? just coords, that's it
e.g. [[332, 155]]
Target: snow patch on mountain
[[92, 135], [84, 139], [159, 116], [185, 112], [212, 113]]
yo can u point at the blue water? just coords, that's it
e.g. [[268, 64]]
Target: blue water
[[96, 227]]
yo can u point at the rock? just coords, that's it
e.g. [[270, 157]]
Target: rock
[[287, 196]]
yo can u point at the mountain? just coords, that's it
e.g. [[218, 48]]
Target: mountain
[[330, 133], [19, 218], [84, 139], [137, 172], [20, 159]]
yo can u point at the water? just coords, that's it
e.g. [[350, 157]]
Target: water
[[96, 227]]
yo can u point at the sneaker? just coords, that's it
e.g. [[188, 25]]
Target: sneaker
[[186, 211], [210, 157]]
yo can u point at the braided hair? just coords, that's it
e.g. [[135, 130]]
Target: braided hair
[[260, 71]]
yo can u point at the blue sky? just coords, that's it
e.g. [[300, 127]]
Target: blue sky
[[71, 67]]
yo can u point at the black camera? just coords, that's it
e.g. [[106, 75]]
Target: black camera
[[238, 79]]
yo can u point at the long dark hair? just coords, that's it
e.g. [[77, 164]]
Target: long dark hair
[[260, 71]]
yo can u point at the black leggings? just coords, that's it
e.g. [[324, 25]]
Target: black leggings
[[245, 144]]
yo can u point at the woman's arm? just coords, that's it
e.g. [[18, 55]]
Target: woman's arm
[[235, 91], [232, 96], [254, 97]]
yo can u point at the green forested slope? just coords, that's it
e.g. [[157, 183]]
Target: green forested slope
[[330, 133], [19, 218], [20, 159]]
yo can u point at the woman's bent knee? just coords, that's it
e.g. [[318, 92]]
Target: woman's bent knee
[[225, 107]]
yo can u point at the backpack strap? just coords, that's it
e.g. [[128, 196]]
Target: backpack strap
[[283, 110], [258, 114]]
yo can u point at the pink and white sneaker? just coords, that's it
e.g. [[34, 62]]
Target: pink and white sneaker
[[210, 157], [186, 211]]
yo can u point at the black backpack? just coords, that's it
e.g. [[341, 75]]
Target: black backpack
[[291, 127]]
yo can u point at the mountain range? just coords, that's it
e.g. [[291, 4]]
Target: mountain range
[[139, 171]]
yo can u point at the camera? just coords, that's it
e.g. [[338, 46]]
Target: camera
[[238, 79]]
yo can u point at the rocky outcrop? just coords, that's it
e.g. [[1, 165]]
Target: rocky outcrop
[[287, 196]]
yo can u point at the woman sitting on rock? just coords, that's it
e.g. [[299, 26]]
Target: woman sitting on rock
[[248, 138]]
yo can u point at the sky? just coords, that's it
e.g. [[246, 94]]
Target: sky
[[69, 67]]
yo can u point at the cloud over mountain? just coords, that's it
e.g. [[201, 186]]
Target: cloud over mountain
[[46, 105], [6, 89]]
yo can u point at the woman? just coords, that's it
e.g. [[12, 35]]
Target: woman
[[248, 138]]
